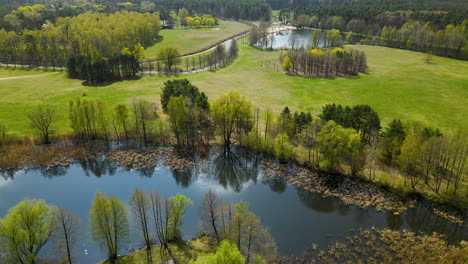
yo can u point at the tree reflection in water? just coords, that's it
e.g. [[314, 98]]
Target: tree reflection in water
[[234, 167], [320, 204], [98, 167]]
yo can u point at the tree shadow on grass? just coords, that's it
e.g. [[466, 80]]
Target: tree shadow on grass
[[155, 41], [107, 83]]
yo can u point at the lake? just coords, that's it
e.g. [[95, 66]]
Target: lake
[[296, 218], [289, 39]]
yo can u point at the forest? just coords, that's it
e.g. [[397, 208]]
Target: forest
[[438, 29], [92, 35]]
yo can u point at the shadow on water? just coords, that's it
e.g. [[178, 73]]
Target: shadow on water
[[98, 167], [233, 168]]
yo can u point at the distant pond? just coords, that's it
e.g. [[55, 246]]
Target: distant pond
[[296, 218], [289, 39]]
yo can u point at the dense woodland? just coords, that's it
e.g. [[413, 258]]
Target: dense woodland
[[428, 27], [92, 35]]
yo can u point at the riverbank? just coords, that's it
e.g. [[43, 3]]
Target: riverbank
[[351, 190]]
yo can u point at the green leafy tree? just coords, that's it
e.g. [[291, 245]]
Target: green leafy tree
[[183, 87], [227, 253], [26, 229], [282, 148], [178, 116], [109, 226], [232, 113], [287, 64], [179, 205], [169, 57], [338, 145]]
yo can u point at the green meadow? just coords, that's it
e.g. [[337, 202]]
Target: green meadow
[[399, 84], [188, 40]]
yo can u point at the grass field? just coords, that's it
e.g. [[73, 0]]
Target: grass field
[[190, 40], [398, 85]]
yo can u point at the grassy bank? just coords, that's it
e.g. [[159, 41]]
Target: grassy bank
[[183, 252], [398, 85], [188, 40]]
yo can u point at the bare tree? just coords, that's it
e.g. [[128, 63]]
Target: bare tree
[[67, 233], [140, 207], [209, 212], [41, 120], [161, 211], [144, 112], [373, 153]]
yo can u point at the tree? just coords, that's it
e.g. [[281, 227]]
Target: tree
[[282, 148], [67, 233], [227, 253], [338, 144], [209, 213], [108, 224], [179, 205], [160, 210], [410, 158], [393, 137], [233, 49], [183, 87], [42, 120], [121, 116], [178, 116], [231, 113], [140, 207], [26, 229], [144, 112], [287, 65], [169, 57]]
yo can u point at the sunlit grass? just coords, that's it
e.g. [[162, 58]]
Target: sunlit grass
[[398, 85]]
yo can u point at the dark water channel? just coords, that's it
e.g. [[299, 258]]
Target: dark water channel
[[296, 218]]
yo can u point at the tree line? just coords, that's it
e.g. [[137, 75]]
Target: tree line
[[347, 140], [169, 59], [398, 28], [449, 42], [233, 9], [92, 35], [33, 225], [382, 12], [324, 63]]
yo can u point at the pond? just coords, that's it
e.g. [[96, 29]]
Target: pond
[[289, 39], [296, 218]]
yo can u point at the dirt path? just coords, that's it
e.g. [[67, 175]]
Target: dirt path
[[25, 76]]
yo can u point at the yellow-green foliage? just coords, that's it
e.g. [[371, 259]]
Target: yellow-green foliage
[[26, 228], [287, 63], [227, 253], [317, 52]]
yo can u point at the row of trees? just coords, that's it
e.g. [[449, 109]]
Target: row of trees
[[342, 139], [117, 67], [449, 42], [394, 30], [234, 9], [350, 139], [384, 12], [206, 20], [169, 58], [93, 35], [324, 63], [32, 225]]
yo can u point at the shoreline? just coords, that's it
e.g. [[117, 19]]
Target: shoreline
[[350, 190]]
